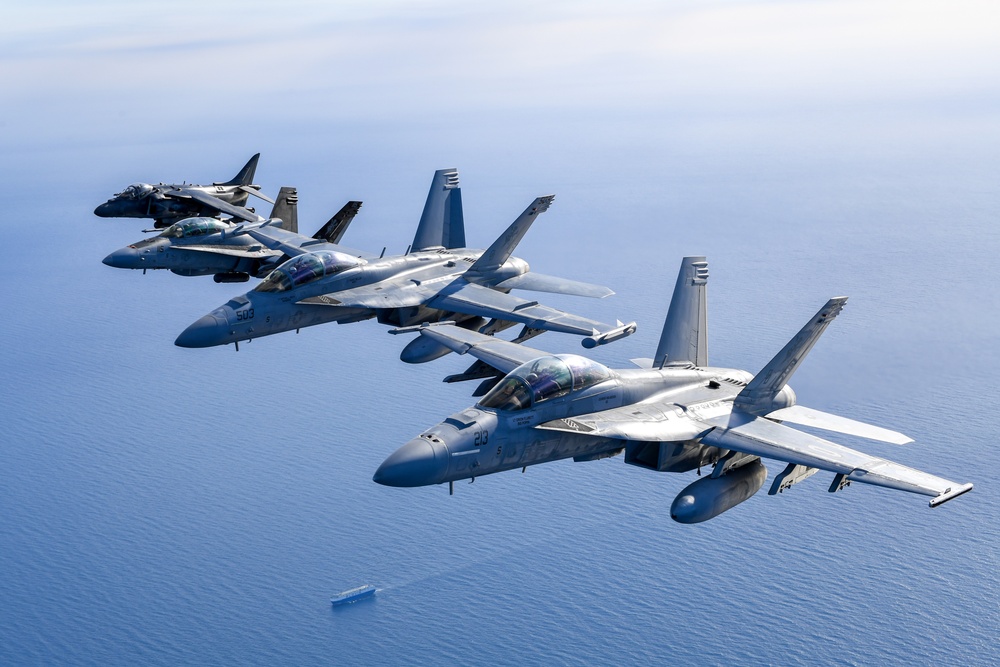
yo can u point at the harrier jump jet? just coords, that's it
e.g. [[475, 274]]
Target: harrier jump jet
[[675, 414], [168, 203]]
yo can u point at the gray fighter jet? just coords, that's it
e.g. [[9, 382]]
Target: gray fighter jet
[[439, 280], [675, 414], [168, 203], [207, 246]]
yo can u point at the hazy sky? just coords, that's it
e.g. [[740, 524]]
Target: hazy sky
[[112, 64]]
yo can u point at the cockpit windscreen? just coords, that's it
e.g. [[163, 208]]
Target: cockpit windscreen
[[306, 268], [190, 227], [543, 379], [135, 191]]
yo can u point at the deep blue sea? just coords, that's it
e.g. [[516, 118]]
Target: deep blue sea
[[167, 506]]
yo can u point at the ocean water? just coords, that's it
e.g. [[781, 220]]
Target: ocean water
[[169, 506], [163, 506]]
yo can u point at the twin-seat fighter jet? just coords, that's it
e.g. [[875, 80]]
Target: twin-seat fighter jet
[[208, 246], [168, 203], [675, 414], [439, 280]]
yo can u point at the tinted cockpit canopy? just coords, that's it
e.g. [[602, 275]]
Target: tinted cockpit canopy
[[135, 191], [542, 379], [305, 269], [194, 227]]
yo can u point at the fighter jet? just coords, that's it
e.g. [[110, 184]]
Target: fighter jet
[[168, 203], [438, 280], [674, 414], [207, 246]]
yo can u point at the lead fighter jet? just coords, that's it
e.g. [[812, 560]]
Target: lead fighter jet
[[169, 203], [440, 280], [676, 414]]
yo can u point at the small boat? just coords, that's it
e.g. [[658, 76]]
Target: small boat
[[353, 595]]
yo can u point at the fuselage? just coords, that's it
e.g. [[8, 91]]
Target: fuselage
[[197, 247], [480, 440], [419, 276]]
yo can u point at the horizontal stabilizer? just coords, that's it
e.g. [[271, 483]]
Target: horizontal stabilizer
[[798, 414], [539, 282]]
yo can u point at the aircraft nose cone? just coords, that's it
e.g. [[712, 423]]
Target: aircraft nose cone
[[414, 464], [126, 258], [109, 209], [205, 332]]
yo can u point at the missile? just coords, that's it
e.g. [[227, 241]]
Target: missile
[[621, 331], [711, 496]]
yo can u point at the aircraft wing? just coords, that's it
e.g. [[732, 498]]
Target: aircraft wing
[[654, 421], [384, 294], [501, 354], [203, 197], [760, 437], [255, 192], [251, 252], [471, 299]]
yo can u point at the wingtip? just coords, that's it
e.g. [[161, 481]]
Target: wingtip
[[950, 494]]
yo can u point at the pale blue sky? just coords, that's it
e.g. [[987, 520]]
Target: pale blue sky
[[185, 63]]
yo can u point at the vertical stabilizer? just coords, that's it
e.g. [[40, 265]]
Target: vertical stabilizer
[[245, 177], [685, 332], [442, 222], [501, 250], [286, 207], [757, 397], [335, 227]]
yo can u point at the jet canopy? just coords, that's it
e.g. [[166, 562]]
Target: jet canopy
[[542, 379], [194, 227], [135, 191], [306, 268]]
